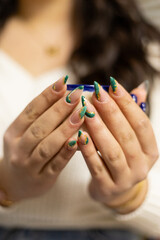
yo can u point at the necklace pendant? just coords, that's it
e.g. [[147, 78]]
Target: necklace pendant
[[51, 51]]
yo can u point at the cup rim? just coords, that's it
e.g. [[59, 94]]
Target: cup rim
[[87, 87]]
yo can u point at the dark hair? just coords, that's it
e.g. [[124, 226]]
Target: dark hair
[[7, 8], [112, 37], [112, 41]]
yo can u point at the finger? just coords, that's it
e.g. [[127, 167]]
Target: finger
[[56, 164], [117, 124], [37, 106], [52, 144], [135, 116], [49, 120], [96, 165], [141, 92], [106, 144]]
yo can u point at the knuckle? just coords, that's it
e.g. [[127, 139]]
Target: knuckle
[[56, 166], [47, 97], [65, 132], [107, 191], [43, 151], [143, 124], [90, 153], [123, 186], [57, 110], [37, 132], [112, 109], [31, 112], [126, 137], [14, 161], [127, 103], [154, 155], [114, 156], [97, 171], [142, 173]]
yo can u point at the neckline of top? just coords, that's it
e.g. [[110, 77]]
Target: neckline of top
[[14, 65]]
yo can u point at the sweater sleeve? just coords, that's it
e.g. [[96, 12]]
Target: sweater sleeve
[[146, 219]]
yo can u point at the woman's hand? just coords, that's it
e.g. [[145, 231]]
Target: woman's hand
[[38, 144], [123, 135]]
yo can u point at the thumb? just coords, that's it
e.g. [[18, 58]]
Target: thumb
[[141, 92]]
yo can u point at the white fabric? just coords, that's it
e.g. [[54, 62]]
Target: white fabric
[[151, 10], [67, 204]]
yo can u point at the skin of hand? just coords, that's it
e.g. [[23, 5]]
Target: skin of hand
[[39, 143], [127, 149]]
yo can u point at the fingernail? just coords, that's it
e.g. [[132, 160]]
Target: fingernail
[[90, 111], [101, 94], [134, 97], [143, 106], [58, 85], [113, 84], [145, 86], [78, 115], [82, 138], [71, 144], [65, 79], [74, 95]]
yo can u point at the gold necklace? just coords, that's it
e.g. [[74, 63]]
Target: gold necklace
[[52, 51]]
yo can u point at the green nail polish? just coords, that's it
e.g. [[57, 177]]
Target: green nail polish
[[90, 114], [96, 87], [54, 87], [81, 87], [113, 84], [86, 140], [79, 133], [83, 101], [82, 112], [72, 143], [68, 99], [65, 79]]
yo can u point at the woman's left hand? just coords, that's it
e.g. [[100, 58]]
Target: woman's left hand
[[124, 138]]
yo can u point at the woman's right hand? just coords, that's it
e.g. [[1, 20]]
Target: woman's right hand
[[36, 144]]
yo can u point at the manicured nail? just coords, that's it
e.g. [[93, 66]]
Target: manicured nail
[[78, 115], [74, 95], [114, 84], [134, 97], [89, 112], [101, 94], [71, 144], [65, 79], [145, 85], [82, 138], [143, 106], [96, 87], [58, 85]]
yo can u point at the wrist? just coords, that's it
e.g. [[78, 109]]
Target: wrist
[[131, 200], [4, 200]]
